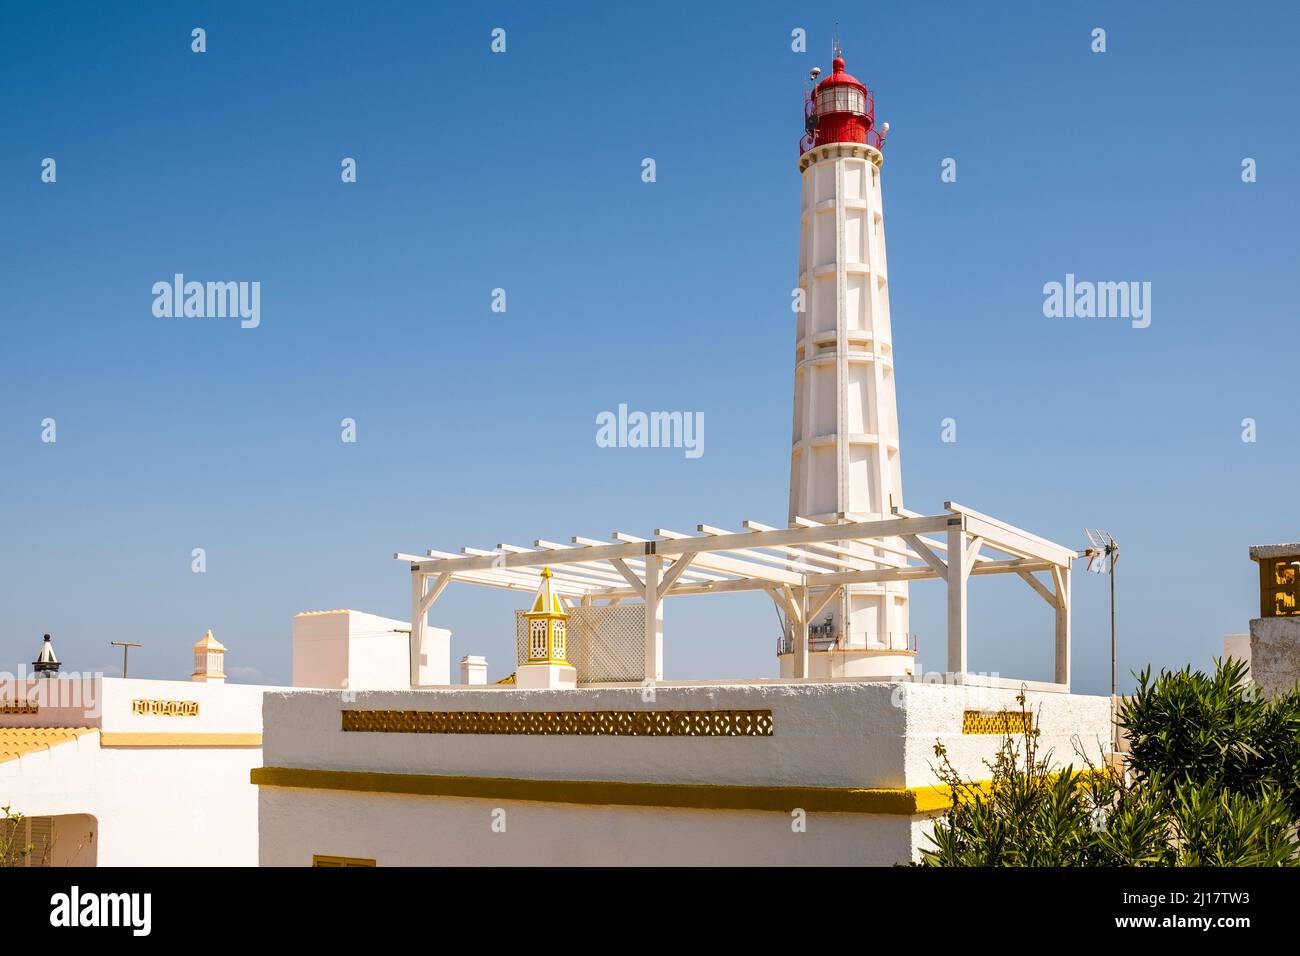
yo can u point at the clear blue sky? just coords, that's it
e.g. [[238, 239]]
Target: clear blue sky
[[522, 171]]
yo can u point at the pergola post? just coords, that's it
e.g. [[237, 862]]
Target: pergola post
[[959, 561], [418, 624], [795, 602], [654, 619], [1061, 579], [801, 630], [422, 598]]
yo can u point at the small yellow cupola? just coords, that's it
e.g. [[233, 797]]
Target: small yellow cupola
[[209, 660], [547, 627], [547, 659]]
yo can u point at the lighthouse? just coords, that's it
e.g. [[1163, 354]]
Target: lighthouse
[[844, 456]]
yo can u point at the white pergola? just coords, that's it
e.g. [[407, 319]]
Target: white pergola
[[802, 567]]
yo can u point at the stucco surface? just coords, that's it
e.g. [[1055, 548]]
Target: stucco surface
[[830, 735], [824, 735], [431, 831], [152, 805], [162, 806], [1275, 653]]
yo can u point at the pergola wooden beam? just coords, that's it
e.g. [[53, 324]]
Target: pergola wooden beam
[[637, 583], [578, 574], [821, 562], [939, 566], [525, 578], [906, 555], [1004, 536], [802, 565], [748, 553], [639, 566], [1043, 592], [862, 531]]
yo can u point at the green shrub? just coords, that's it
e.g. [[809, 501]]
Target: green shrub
[[1211, 780], [1217, 731]]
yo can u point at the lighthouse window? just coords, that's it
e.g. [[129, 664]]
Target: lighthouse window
[[841, 99]]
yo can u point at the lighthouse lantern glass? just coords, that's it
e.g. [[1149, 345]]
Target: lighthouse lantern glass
[[841, 99]]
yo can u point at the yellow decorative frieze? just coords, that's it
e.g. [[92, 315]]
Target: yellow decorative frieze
[[588, 723], [1001, 722], [165, 708], [19, 707]]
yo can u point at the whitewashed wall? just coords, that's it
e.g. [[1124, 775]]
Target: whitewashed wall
[[350, 649], [152, 806], [437, 831], [860, 735]]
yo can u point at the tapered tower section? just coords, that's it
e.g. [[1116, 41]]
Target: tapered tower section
[[844, 460]]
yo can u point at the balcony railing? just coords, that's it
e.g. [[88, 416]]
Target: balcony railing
[[830, 111], [893, 640], [873, 139]]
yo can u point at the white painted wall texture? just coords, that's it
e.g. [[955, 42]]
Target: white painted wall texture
[[1275, 653], [844, 734], [105, 702], [350, 649], [845, 451], [438, 831], [151, 806]]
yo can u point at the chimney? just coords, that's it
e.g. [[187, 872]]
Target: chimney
[[473, 669], [209, 661], [47, 663]]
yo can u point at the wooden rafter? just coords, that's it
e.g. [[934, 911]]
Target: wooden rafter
[[803, 566]]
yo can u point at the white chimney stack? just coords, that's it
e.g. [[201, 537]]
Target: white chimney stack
[[209, 661], [473, 669]]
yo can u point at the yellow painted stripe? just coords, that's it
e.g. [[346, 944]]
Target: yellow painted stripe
[[904, 802], [180, 740]]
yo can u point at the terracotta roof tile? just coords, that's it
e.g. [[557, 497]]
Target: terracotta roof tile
[[18, 741]]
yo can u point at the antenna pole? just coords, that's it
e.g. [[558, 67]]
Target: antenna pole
[[125, 645], [1112, 624], [1103, 546], [1112, 550]]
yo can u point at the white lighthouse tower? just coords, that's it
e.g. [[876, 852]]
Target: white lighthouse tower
[[844, 461]]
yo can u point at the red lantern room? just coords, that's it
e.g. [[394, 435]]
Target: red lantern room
[[840, 109]]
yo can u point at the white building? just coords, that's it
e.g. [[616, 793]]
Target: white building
[[587, 756], [125, 772], [767, 773], [347, 648]]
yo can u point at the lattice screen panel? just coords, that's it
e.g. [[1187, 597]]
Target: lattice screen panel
[[606, 643]]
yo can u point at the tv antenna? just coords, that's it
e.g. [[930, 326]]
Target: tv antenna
[[1102, 554], [126, 646]]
